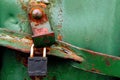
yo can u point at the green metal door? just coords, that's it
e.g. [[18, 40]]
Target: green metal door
[[91, 27]]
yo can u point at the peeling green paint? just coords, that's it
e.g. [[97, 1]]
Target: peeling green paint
[[93, 24]]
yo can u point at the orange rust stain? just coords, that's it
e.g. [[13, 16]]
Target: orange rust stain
[[107, 62], [40, 21], [59, 26], [71, 55], [24, 7], [95, 70], [40, 6], [40, 31], [59, 37], [43, 5]]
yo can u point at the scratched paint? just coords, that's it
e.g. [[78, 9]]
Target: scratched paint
[[90, 56]]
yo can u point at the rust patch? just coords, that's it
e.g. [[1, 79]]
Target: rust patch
[[59, 37], [107, 62], [40, 31], [17, 40], [40, 6], [40, 21], [47, 34], [24, 7], [101, 54], [95, 70], [59, 26], [32, 5], [69, 54], [89, 51]]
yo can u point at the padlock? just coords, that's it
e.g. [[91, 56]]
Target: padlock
[[37, 66]]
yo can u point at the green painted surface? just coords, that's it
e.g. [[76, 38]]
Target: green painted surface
[[96, 62], [94, 24], [13, 17], [58, 69], [12, 69], [15, 40], [91, 24], [92, 61]]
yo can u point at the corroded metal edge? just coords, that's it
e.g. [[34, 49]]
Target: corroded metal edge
[[90, 59]]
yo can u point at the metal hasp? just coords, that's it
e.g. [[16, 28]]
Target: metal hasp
[[42, 32]]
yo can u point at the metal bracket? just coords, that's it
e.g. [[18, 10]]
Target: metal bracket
[[91, 61], [42, 32]]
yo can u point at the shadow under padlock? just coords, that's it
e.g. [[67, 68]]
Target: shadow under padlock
[[37, 66], [43, 35]]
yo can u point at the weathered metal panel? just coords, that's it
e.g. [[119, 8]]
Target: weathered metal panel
[[91, 24]]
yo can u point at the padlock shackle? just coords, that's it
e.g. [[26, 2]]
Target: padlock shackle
[[44, 52], [32, 51]]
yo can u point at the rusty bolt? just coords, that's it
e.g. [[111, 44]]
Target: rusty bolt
[[36, 14]]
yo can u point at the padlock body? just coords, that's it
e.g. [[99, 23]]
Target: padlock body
[[37, 66]]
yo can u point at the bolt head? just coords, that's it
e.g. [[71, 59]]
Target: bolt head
[[36, 14]]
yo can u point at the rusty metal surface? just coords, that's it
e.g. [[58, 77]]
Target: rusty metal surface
[[87, 60], [91, 61], [22, 42], [95, 62], [17, 41]]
